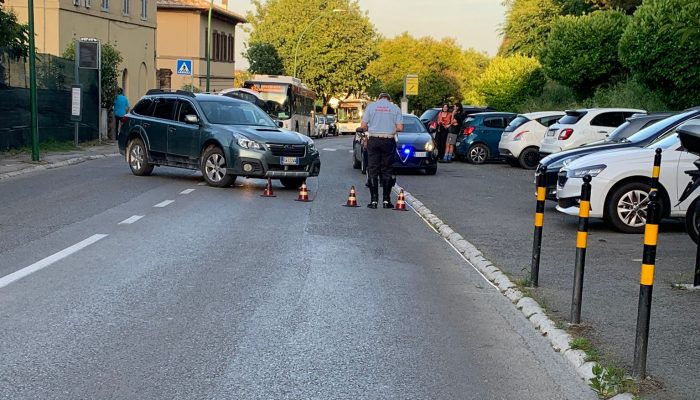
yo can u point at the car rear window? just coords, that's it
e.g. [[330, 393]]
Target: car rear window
[[608, 119], [468, 121], [144, 107], [517, 123], [429, 115], [572, 117]]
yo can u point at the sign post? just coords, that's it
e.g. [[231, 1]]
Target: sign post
[[76, 107], [88, 56], [410, 88]]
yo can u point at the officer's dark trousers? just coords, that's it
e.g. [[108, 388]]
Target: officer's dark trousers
[[380, 155]]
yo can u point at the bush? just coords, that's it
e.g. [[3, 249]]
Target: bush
[[264, 59], [630, 94], [660, 47], [509, 81], [581, 52], [554, 96]]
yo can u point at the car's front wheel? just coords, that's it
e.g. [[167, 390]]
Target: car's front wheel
[[137, 157], [529, 158], [692, 221], [478, 154], [355, 162], [431, 170], [292, 183], [214, 168], [626, 208]]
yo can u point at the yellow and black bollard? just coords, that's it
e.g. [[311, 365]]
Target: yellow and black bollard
[[581, 243], [646, 279], [539, 223]]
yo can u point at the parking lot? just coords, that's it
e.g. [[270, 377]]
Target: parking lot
[[492, 206]]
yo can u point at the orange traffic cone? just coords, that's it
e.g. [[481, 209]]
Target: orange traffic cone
[[268, 189], [352, 199], [401, 202], [303, 193]]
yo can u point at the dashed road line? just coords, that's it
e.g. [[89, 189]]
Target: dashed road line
[[164, 203], [202, 184], [330, 149], [41, 264], [187, 191], [131, 220]]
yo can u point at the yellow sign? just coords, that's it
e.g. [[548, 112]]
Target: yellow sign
[[411, 85]]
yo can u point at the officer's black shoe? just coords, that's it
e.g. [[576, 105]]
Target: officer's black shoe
[[387, 204], [372, 205]]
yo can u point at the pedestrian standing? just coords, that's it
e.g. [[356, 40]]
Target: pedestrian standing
[[444, 122], [121, 107], [381, 122], [457, 120]]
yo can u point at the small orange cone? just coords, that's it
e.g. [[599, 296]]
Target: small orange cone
[[268, 189], [352, 199], [401, 202], [303, 193]]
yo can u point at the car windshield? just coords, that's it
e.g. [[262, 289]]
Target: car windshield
[[665, 124], [349, 114], [619, 133], [235, 113], [330, 119], [516, 123], [413, 125], [428, 115], [667, 142]]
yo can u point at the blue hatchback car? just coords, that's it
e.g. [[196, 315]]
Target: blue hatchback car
[[480, 134]]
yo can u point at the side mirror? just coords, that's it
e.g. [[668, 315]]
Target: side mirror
[[280, 124], [191, 119], [360, 131]]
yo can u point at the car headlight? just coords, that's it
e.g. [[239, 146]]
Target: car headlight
[[592, 171], [429, 146], [247, 143], [312, 147]]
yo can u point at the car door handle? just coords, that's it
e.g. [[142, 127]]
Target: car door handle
[[171, 129], [146, 124], [602, 131]]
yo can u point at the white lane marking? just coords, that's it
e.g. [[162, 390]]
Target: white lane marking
[[131, 220], [201, 184], [164, 203], [187, 191], [39, 265], [330, 149], [351, 151]]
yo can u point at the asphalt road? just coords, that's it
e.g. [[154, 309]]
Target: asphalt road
[[219, 293], [493, 207]]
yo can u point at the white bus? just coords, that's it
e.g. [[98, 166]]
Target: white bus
[[350, 115], [287, 99]]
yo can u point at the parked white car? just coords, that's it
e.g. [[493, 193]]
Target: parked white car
[[320, 126], [620, 185], [520, 142], [579, 127]]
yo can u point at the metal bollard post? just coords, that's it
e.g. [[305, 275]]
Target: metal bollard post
[[539, 222], [696, 279], [581, 243], [646, 279]]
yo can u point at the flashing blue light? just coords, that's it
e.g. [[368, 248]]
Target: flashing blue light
[[407, 151]]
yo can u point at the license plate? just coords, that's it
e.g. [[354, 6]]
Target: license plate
[[552, 132], [289, 160], [421, 154]]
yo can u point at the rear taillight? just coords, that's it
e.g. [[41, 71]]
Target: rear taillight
[[565, 133], [468, 131], [519, 135], [124, 119], [433, 125]]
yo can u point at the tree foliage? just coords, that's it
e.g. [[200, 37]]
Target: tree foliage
[[662, 52], [14, 37], [581, 52], [335, 49], [438, 64], [110, 58], [527, 26], [509, 81], [263, 59]]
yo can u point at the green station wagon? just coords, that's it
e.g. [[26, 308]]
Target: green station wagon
[[223, 137]]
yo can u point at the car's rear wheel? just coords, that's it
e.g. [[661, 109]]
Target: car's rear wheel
[[137, 158], [292, 183], [431, 170], [626, 208], [529, 158], [214, 168], [478, 154]]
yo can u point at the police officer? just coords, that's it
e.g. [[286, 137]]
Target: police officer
[[381, 122]]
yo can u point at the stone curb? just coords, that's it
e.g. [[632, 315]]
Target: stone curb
[[558, 338], [52, 165]]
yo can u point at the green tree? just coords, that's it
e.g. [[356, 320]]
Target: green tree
[[662, 52], [628, 6], [14, 37], [263, 59], [581, 52], [473, 64], [438, 64], [509, 81], [527, 26], [335, 50], [110, 59]]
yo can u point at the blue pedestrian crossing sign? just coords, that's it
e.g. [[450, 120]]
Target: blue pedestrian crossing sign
[[184, 67]]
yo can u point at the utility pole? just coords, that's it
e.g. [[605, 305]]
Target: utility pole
[[211, 5], [32, 83]]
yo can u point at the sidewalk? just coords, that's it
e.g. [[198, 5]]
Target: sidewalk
[[20, 164]]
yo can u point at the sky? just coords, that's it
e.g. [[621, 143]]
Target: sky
[[474, 23]]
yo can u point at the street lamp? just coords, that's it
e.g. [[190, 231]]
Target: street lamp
[[34, 113], [296, 48], [211, 4]]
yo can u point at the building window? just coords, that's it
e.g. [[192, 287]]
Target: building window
[[215, 46], [144, 9], [104, 5], [230, 47], [88, 3], [125, 8]]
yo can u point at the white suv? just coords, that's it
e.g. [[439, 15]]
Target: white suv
[[521, 140], [579, 127]]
